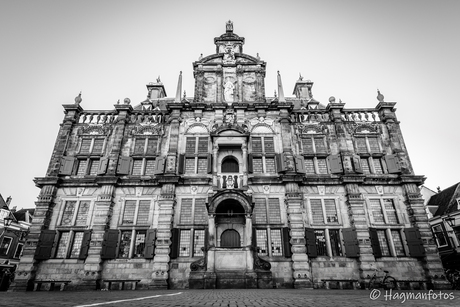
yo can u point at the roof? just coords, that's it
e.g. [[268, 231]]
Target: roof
[[443, 199], [20, 215]]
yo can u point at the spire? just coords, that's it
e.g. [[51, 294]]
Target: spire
[[179, 88], [281, 98]]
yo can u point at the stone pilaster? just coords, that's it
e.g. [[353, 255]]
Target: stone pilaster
[[300, 266], [28, 266], [103, 210], [358, 221], [219, 74], [431, 263], [161, 260]]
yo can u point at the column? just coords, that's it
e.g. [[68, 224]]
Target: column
[[215, 151], [248, 243], [244, 148], [211, 243]]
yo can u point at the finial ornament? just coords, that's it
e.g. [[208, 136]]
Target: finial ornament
[[185, 94], [380, 97], [78, 99], [229, 26], [275, 93], [300, 77], [200, 57], [158, 79], [127, 101]]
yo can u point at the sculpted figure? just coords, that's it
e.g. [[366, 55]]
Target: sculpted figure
[[228, 91]]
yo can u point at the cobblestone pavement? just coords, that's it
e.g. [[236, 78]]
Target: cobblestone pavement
[[232, 298]]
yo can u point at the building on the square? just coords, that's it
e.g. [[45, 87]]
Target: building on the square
[[14, 227], [229, 188], [445, 225]]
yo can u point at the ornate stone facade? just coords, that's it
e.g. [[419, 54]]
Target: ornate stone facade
[[229, 189]]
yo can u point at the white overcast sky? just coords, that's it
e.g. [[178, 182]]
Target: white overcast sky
[[109, 50]]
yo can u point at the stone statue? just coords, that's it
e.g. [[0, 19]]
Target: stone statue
[[228, 91], [229, 26]]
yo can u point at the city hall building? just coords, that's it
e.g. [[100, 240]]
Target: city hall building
[[228, 189]]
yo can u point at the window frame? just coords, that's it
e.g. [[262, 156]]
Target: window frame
[[323, 208], [16, 250], [387, 231], [329, 250], [315, 155], [192, 248], [90, 157], [383, 210], [9, 244], [144, 156], [197, 155], [69, 244], [264, 154], [78, 202], [443, 232]]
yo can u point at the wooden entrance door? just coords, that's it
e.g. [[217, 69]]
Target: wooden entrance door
[[230, 238]]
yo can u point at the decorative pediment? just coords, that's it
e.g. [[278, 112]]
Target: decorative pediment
[[312, 129], [260, 125], [366, 128], [95, 129], [197, 125], [147, 129]]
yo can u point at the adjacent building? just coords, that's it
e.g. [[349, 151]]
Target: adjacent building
[[229, 188], [445, 225]]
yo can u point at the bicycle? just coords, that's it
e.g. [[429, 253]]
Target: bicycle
[[453, 276], [386, 282]]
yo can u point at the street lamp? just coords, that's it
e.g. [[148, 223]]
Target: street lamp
[[450, 221], [7, 221]]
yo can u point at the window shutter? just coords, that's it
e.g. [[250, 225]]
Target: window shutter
[[357, 164], [392, 162], [160, 165], [300, 164], [149, 250], [67, 164], [280, 164], [375, 243], [180, 167], [250, 163], [123, 166], [103, 163], [350, 241], [254, 238], [414, 242], [175, 232], [209, 163], [286, 243], [109, 244], [311, 242], [45, 244], [335, 164], [85, 245]]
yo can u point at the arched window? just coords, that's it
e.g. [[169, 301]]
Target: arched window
[[230, 165]]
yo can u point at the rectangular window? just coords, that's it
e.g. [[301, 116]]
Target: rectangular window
[[383, 211], [260, 211], [139, 145], [365, 166], [196, 151], [203, 145], [269, 145], [82, 215], [320, 237], [136, 212], [91, 146], [324, 211], [263, 152], [377, 212], [276, 242], [377, 166], [261, 238], [75, 213], [198, 242], [397, 243], [18, 252], [82, 166], [373, 144], [274, 213], [383, 242], [61, 250], [76, 245], [5, 246], [440, 236], [202, 165], [336, 246], [139, 243], [313, 145], [257, 165], [390, 210], [307, 145], [149, 167], [186, 211], [137, 167], [309, 166], [257, 145], [320, 147], [270, 165], [184, 243], [201, 213], [322, 166], [125, 242]]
